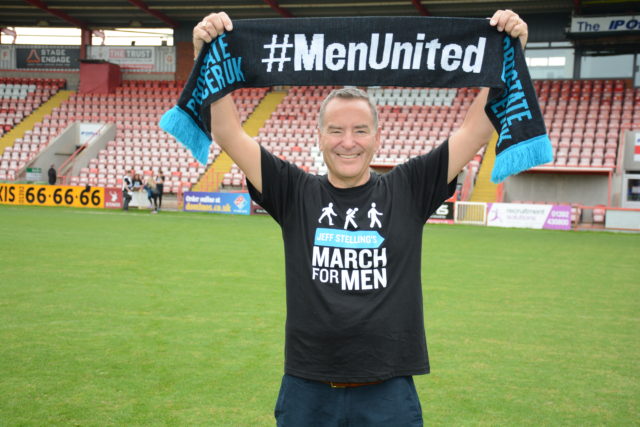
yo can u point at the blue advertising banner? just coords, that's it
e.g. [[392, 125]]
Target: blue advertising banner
[[226, 203]]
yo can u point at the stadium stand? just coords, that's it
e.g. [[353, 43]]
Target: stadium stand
[[139, 144], [19, 98], [584, 119], [136, 108]]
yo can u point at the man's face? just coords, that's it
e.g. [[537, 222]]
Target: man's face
[[348, 141]]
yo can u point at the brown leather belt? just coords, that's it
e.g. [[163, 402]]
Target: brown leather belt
[[349, 385]]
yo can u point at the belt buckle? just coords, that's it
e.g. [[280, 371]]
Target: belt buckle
[[336, 385]]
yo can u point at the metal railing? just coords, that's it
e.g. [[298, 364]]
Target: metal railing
[[67, 163]]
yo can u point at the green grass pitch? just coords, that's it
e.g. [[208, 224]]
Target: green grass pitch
[[110, 318]]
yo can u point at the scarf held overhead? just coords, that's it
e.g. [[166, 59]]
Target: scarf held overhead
[[370, 51]]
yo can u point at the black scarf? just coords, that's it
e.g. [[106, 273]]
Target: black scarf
[[370, 51]]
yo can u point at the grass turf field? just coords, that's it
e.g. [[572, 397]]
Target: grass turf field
[[114, 318]]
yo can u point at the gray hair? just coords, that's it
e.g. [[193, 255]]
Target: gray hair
[[349, 93]]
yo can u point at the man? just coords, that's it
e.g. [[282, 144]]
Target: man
[[355, 329], [53, 175], [127, 189], [159, 187]]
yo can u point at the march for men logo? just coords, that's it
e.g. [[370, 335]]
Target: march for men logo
[[346, 257]]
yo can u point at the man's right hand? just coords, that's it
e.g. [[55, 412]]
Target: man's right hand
[[208, 29]]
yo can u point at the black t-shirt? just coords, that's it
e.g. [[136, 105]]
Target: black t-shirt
[[354, 295]]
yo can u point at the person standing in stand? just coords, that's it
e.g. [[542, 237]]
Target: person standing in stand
[[127, 190], [138, 185], [152, 194], [160, 187], [53, 175]]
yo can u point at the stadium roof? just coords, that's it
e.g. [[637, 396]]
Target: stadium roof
[[105, 14]]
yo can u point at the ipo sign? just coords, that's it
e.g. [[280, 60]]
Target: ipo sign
[[226, 203], [518, 215], [605, 24]]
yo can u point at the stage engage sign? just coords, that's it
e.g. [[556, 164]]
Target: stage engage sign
[[48, 57], [51, 195], [553, 217], [226, 203]]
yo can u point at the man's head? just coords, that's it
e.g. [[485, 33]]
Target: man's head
[[348, 136], [348, 93]]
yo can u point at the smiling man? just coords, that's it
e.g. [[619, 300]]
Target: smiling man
[[354, 334], [348, 136]]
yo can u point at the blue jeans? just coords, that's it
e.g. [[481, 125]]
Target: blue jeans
[[306, 403]]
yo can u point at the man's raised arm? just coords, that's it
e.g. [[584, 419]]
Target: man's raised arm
[[476, 129], [226, 127]]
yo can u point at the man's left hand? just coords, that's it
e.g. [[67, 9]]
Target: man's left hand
[[509, 22]]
